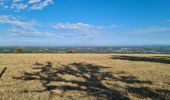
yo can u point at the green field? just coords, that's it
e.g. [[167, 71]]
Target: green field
[[85, 77]]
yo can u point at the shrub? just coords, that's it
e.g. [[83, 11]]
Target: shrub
[[70, 51], [18, 50]]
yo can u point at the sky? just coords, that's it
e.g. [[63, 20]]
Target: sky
[[84, 22]]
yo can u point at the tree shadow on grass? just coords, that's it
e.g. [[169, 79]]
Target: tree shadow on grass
[[88, 78], [154, 94], [91, 84], [158, 59], [162, 56], [2, 72], [131, 80]]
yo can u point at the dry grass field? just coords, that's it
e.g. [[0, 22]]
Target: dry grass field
[[84, 77]]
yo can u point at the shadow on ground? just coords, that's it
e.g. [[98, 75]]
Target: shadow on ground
[[158, 59], [145, 92], [92, 83]]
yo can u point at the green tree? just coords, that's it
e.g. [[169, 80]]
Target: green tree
[[18, 50], [70, 51]]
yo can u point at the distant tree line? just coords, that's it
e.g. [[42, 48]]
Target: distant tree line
[[21, 50], [141, 50]]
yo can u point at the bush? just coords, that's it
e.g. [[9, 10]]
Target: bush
[[18, 50], [70, 51]]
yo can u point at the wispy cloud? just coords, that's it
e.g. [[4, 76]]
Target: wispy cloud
[[152, 30], [18, 5], [72, 26], [22, 28], [77, 36], [79, 26], [113, 26], [80, 30], [34, 1], [30, 33], [15, 1], [6, 19], [41, 5], [168, 20], [74, 30]]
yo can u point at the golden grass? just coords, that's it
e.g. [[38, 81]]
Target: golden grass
[[85, 76]]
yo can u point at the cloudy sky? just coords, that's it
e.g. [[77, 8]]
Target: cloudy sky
[[84, 22]]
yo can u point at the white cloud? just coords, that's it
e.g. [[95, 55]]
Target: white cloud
[[72, 26], [6, 7], [79, 26], [41, 5], [22, 28], [34, 1], [168, 20], [113, 26], [30, 33], [76, 36], [152, 30], [80, 30], [18, 5], [4, 19], [15, 1], [66, 36], [1, 3]]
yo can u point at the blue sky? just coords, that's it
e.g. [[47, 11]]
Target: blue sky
[[84, 22]]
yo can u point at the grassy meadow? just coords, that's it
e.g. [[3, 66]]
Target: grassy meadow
[[85, 77]]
